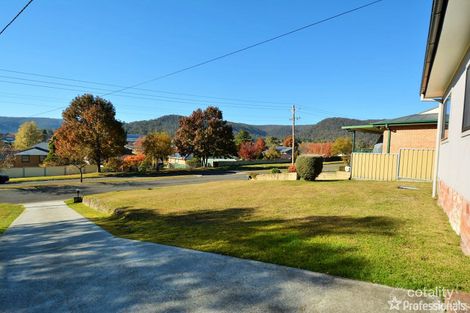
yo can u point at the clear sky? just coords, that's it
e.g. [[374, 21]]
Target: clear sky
[[367, 64]]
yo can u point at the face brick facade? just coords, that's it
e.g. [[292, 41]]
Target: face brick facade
[[419, 137], [457, 209]]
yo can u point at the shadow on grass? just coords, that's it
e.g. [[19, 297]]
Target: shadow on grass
[[78, 267], [317, 243]]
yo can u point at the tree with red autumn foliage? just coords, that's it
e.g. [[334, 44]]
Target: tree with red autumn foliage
[[205, 134], [248, 151], [320, 148], [89, 131], [132, 162], [260, 145], [252, 151]]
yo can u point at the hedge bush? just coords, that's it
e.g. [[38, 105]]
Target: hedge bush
[[275, 171], [309, 167]]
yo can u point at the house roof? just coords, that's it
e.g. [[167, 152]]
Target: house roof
[[42, 145], [283, 149], [41, 148], [448, 42], [424, 118], [32, 151], [412, 119]]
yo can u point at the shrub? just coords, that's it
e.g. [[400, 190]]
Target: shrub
[[113, 165], [275, 171], [131, 162], [145, 166], [292, 169], [309, 167], [194, 162]]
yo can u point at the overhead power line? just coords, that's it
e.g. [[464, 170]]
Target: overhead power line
[[52, 84], [246, 48], [16, 16], [139, 89]]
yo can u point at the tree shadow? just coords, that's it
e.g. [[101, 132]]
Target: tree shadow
[[298, 242], [73, 265]]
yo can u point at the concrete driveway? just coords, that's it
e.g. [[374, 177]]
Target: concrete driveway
[[54, 260]]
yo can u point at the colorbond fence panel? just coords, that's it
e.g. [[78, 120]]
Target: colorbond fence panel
[[374, 166], [16, 172], [408, 164], [416, 164]]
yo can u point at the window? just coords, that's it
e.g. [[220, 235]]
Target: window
[[25, 158], [445, 118], [42, 158], [466, 103]]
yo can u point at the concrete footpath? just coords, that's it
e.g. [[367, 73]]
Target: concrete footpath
[[54, 260]]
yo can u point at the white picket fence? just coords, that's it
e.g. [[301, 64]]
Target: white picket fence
[[16, 172]]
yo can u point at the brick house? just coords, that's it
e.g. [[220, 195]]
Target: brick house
[[33, 156], [416, 131], [446, 80]]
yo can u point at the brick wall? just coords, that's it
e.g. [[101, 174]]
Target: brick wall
[[457, 209], [34, 160], [411, 137]]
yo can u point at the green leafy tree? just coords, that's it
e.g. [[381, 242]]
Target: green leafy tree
[[157, 146], [52, 159], [205, 134], [242, 136], [90, 126], [272, 141], [272, 154], [28, 135], [342, 145]]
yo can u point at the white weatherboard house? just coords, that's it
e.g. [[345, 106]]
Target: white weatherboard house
[[446, 79]]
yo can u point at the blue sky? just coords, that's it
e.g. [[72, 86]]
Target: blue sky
[[364, 65]]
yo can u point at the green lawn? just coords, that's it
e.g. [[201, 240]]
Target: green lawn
[[8, 213], [370, 231]]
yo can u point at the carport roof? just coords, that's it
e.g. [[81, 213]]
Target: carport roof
[[409, 120]]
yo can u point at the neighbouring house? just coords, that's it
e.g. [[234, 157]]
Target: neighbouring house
[[177, 161], [130, 142], [33, 156], [405, 149], [446, 79], [8, 138], [286, 152], [416, 131]]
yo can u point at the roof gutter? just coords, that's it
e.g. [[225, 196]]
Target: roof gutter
[[435, 27]]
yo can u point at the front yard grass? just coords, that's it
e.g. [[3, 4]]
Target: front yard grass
[[370, 231], [8, 213]]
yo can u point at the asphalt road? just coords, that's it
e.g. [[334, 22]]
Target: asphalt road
[[66, 189], [54, 260]]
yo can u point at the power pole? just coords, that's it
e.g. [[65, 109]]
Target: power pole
[[293, 133]]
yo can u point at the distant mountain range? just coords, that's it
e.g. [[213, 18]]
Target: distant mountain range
[[11, 124], [325, 130]]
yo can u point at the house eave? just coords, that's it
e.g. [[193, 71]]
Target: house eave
[[435, 28], [447, 45]]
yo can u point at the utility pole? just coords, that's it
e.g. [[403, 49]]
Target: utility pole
[[293, 133]]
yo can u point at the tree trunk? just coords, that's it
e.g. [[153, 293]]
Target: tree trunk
[[98, 164], [81, 174]]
